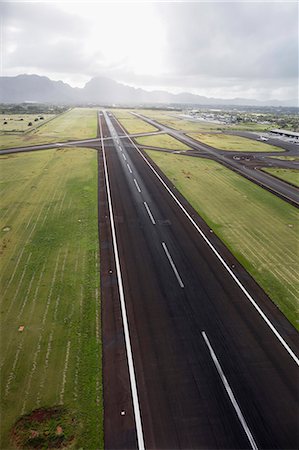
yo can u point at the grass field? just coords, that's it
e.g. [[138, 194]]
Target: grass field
[[286, 158], [259, 228], [79, 123], [50, 286], [132, 124], [175, 120], [289, 175], [234, 143], [162, 141], [15, 124]]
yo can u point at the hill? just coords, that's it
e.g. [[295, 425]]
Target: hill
[[101, 90]]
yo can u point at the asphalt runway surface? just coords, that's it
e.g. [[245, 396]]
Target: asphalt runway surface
[[246, 164], [210, 372]]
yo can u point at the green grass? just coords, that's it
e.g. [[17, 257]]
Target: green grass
[[289, 175], [131, 123], [175, 120], [162, 141], [259, 228], [14, 124], [79, 123], [50, 285], [234, 143], [286, 158]]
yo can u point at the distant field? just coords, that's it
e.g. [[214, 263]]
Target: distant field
[[79, 123], [132, 124], [289, 175], [14, 122], [259, 228], [162, 141], [234, 143], [50, 286], [174, 119]]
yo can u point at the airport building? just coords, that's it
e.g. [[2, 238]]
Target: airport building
[[285, 133]]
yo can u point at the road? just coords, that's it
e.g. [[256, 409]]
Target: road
[[243, 167], [195, 355]]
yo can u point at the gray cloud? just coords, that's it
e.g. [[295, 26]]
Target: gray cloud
[[221, 49], [241, 40]]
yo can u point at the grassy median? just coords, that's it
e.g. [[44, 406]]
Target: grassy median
[[288, 175], [50, 306], [164, 141], [234, 143], [259, 228], [131, 123]]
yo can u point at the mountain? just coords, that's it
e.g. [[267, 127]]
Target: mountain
[[101, 90]]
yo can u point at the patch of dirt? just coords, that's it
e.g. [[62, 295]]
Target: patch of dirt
[[45, 428], [187, 174], [4, 245], [6, 228]]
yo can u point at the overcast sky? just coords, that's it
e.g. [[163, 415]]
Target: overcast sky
[[218, 49]]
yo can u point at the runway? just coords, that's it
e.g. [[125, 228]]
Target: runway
[[247, 168], [213, 360]]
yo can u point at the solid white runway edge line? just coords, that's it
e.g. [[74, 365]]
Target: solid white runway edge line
[[133, 383], [238, 282], [173, 265], [149, 213], [230, 393]]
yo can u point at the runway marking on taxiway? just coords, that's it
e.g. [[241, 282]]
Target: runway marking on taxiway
[[137, 186], [217, 254], [173, 265], [149, 213], [133, 383], [230, 393]]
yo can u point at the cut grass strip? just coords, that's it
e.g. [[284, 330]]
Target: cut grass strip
[[133, 124], [162, 141], [50, 281], [288, 175], [260, 229], [286, 158], [234, 143]]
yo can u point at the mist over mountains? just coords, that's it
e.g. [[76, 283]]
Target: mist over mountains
[[104, 91]]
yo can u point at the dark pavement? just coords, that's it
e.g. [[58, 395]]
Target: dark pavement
[[171, 300]]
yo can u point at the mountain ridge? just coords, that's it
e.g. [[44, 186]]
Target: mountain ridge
[[102, 90]]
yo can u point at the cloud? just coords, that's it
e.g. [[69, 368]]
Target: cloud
[[241, 40], [217, 49]]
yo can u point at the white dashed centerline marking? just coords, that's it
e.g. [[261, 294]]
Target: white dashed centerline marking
[[217, 254], [173, 265], [230, 393], [129, 168], [149, 213], [137, 186], [124, 156], [133, 382]]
